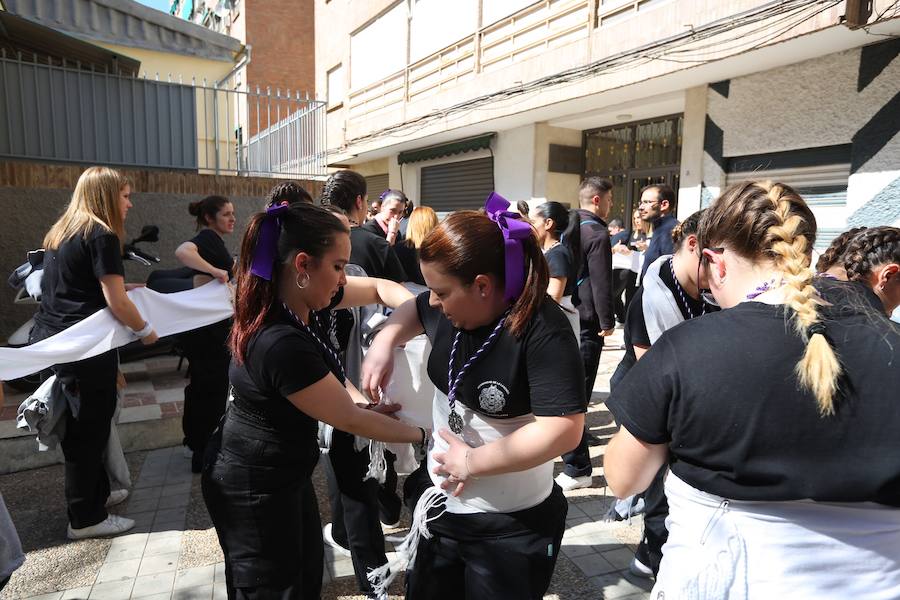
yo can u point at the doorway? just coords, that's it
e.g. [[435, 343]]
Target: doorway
[[633, 156]]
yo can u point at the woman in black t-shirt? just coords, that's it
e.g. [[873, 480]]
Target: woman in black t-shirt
[[422, 220], [778, 417], [560, 238], [509, 399], [286, 376], [83, 273], [205, 348]]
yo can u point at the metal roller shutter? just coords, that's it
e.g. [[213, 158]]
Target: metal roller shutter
[[458, 185], [376, 184]]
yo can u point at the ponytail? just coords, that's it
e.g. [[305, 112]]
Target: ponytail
[[253, 296], [766, 221], [571, 239]]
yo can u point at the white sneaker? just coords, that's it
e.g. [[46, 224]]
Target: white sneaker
[[329, 539], [186, 452], [639, 569], [568, 483], [116, 497], [113, 525]]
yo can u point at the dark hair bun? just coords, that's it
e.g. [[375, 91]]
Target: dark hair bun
[[194, 208]]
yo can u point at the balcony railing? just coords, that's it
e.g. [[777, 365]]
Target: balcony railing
[[529, 32], [57, 113]]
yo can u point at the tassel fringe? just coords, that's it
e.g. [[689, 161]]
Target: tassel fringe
[[377, 462], [382, 577]]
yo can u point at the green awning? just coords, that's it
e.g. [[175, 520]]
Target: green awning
[[480, 142]]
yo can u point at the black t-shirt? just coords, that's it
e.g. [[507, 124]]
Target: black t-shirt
[[282, 359], [212, 249], [409, 258], [70, 288], [541, 372], [375, 255], [722, 393], [559, 259]]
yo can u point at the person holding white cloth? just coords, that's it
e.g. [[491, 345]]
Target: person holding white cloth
[[84, 274], [509, 399]]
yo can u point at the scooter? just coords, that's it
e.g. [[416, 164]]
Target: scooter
[[26, 279]]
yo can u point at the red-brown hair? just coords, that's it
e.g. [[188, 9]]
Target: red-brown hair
[[467, 243], [304, 228]]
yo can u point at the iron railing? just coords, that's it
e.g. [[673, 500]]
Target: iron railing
[[60, 113]]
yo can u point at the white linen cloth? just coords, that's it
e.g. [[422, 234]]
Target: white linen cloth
[[168, 313], [720, 549]]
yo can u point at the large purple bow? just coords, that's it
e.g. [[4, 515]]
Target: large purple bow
[[266, 250], [514, 231]]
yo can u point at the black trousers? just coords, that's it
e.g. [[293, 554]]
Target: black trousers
[[260, 497], [207, 393], [577, 463], [490, 556], [624, 283], [656, 509], [87, 433], [355, 515]]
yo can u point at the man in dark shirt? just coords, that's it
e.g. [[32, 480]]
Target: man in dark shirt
[[369, 250], [657, 204], [595, 308]]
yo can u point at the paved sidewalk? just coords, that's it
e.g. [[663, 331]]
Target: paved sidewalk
[[145, 562]]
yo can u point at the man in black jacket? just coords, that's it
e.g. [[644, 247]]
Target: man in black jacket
[[657, 204], [595, 308]]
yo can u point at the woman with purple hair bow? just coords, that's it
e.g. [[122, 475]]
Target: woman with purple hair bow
[[286, 376], [509, 398]]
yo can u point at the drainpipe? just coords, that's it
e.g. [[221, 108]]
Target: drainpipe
[[244, 61]]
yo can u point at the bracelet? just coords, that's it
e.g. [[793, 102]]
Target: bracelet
[[424, 436], [469, 474], [147, 330]]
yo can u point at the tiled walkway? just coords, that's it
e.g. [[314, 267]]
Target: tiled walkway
[[144, 563]]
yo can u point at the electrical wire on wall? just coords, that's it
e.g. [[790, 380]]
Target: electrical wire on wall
[[686, 48]]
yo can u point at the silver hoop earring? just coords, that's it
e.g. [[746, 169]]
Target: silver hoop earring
[[305, 281]]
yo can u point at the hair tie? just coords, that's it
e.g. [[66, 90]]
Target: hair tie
[[816, 328], [266, 250], [514, 231]]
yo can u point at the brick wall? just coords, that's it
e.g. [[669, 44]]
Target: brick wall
[[281, 33]]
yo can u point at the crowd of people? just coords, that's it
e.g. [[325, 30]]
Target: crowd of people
[[756, 401]]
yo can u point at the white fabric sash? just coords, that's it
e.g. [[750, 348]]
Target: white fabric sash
[[722, 549], [660, 308], [168, 313], [504, 493]]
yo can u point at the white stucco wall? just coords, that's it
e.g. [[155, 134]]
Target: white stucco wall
[[811, 104]]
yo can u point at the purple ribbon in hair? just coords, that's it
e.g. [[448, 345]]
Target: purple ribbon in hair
[[266, 250], [514, 231]]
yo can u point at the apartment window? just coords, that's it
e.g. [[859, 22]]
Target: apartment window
[[379, 49], [337, 88], [433, 27]]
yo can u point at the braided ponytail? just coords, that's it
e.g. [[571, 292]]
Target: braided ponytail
[[834, 255], [870, 249], [819, 368], [766, 221]]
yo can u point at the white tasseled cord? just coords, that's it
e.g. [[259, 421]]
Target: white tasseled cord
[[377, 462], [382, 577]]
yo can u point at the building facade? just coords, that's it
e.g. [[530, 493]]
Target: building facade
[[529, 97]]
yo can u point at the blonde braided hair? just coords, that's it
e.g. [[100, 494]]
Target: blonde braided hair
[[819, 368], [770, 221]]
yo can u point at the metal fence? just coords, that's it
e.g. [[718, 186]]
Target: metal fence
[[58, 113]]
